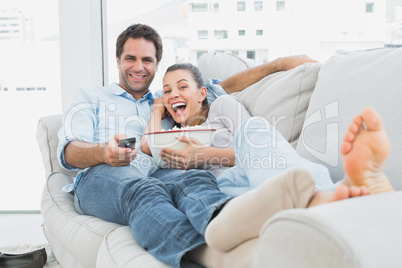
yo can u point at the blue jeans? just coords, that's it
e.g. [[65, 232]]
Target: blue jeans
[[167, 213], [262, 153]]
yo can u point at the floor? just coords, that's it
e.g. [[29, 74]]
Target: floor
[[21, 229]]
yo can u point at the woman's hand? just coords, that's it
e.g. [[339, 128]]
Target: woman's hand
[[193, 156], [155, 123], [159, 108]]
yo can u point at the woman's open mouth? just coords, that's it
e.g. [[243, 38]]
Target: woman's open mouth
[[179, 107]]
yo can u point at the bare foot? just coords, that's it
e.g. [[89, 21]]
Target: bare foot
[[365, 149], [342, 192]]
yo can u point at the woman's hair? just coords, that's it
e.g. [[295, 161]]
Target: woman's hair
[[201, 117], [137, 31]]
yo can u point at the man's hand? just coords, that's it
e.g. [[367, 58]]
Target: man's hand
[[190, 157], [117, 156]]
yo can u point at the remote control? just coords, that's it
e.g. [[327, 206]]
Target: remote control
[[127, 143]]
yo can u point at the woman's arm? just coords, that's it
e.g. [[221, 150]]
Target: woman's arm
[[155, 124], [196, 155], [227, 113]]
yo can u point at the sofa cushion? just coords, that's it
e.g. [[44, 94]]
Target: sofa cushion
[[118, 251], [332, 235], [282, 98], [222, 65], [347, 83]]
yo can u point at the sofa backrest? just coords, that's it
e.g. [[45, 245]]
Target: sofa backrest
[[347, 83], [47, 138], [222, 65]]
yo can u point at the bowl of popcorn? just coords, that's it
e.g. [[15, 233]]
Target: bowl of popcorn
[[167, 139]]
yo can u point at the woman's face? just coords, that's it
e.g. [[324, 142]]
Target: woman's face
[[181, 96]]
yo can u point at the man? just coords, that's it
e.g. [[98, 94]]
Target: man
[[109, 187]]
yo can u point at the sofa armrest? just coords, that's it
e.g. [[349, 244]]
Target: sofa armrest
[[358, 232], [48, 140]]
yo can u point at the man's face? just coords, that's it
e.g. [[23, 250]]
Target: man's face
[[137, 66]]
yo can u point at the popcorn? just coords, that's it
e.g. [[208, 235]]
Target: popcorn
[[175, 128]]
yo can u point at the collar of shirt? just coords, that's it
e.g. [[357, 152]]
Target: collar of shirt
[[118, 90]]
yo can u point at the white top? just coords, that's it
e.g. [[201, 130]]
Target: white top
[[225, 115]]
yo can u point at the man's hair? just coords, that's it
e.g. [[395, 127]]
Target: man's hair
[[136, 31]]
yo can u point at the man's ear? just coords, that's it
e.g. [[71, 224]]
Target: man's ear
[[203, 94], [118, 62]]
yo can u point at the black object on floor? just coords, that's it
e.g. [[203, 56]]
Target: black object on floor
[[33, 259]]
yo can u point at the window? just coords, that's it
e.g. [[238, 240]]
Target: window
[[241, 6], [280, 6], [216, 7], [29, 89], [369, 7], [202, 34], [258, 5], [251, 55], [259, 32], [199, 7], [241, 32], [221, 34]]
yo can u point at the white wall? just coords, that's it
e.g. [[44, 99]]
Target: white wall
[[82, 45]]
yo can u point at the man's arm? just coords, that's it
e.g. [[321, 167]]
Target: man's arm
[[81, 154], [251, 76]]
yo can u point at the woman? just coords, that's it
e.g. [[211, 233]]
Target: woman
[[185, 100]]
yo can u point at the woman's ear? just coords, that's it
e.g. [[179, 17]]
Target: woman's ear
[[203, 94]]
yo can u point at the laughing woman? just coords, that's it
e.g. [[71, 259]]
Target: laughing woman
[[248, 157]]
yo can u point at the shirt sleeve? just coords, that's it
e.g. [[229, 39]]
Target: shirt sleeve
[[158, 94], [232, 117], [214, 90], [79, 123]]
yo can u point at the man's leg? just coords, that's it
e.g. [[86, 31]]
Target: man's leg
[[122, 195], [195, 193]]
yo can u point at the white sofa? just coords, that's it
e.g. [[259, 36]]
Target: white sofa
[[312, 106]]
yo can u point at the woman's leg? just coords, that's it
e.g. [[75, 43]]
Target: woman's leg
[[242, 217], [364, 150]]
